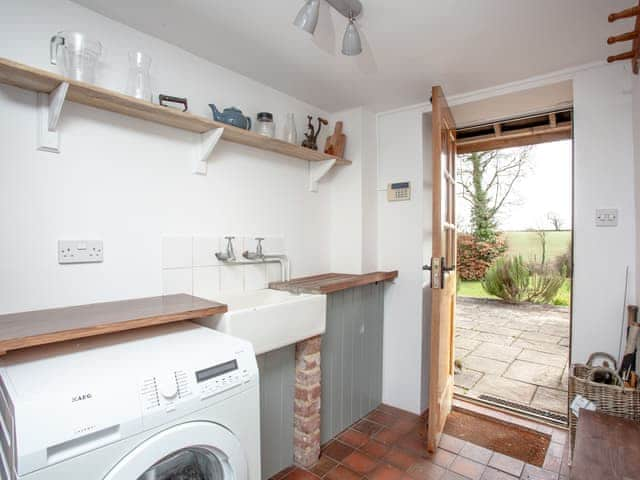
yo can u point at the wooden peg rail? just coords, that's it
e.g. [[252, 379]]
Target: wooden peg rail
[[633, 36]]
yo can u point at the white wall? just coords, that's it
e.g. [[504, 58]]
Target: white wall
[[400, 237], [127, 181], [603, 178], [353, 234]]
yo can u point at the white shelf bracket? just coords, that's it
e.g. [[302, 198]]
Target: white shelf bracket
[[208, 141], [317, 171], [49, 110]]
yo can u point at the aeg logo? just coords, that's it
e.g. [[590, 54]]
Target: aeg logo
[[78, 398]]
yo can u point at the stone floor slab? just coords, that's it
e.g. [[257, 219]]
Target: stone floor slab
[[484, 365], [466, 379], [467, 343], [541, 347], [493, 338], [541, 337], [497, 352], [534, 373], [550, 399], [504, 388], [559, 361]]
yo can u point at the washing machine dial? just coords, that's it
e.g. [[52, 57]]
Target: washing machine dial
[[168, 387]]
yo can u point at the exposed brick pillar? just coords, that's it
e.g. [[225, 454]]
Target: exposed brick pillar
[[306, 426]]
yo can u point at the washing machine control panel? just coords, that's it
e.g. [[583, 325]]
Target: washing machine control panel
[[174, 391]]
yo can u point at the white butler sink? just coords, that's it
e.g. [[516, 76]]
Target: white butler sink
[[270, 319]]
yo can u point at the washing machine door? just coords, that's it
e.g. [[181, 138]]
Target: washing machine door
[[193, 450]]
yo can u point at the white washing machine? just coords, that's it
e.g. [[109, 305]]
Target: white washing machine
[[178, 401]]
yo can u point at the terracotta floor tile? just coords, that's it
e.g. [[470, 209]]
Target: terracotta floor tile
[[385, 472], [452, 444], [534, 473], [381, 418], [405, 425], [467, 468], [510, 465], [493, 474], [387, 436], [282, 474], [400, 459], [360, 462], [426, 470], [476, 453], [442, 458], [353, 437], [367, 427], [414, 443], [341, 473], [337, 450], [322, 466], [300, 474], [449, 475], [375, 449]]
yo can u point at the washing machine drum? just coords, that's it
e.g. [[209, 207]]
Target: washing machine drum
[[190, 451]]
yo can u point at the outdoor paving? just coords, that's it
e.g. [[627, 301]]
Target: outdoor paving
[[518, 353]]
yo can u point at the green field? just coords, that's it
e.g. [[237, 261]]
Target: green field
[[528, 244], [473, 289]]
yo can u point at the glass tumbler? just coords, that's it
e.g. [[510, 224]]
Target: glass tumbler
[[290, 132], [139, 79]]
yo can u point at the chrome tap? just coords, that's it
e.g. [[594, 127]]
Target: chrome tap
[[230, 255], [260, 256], [257, 255]]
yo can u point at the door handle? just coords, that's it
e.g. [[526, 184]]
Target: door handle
[[438, 268]]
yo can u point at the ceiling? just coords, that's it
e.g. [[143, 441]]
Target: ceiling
[[409, 45]]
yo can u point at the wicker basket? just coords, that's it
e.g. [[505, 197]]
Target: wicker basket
[[611, 399]]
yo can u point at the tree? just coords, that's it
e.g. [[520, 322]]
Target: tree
[[487, 180], [555, 220]]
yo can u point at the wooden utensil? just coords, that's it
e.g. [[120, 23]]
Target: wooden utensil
[[336, 143]]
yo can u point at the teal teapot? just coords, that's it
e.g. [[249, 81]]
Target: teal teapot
[[231, 116]]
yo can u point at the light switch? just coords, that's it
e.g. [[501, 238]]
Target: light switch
[[80, 251], [606, 217]]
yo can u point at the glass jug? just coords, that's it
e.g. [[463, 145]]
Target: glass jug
[[78, 53], [139, 80]]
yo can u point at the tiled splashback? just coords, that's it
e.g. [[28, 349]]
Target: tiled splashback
[[189, 265]]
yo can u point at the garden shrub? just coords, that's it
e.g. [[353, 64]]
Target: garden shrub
[[563, 263], [476, 256], [512, 280]]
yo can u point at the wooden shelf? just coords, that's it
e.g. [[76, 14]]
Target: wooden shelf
[[41, 327], [42, 81], [332, 282]]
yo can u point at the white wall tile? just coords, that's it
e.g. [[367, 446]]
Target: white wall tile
[[205, 248], [255, 277], [177, 280], [177, 251], [231, 278], [206, 282]]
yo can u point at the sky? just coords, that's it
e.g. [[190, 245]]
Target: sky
[[545, 188]]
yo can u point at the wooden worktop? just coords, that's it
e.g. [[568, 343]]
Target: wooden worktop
[[332, 282], [29, 329], [607, 447]]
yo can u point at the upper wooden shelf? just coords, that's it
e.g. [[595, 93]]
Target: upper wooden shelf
[[23, 76], [41, 327]]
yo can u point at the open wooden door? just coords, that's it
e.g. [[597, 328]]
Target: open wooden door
[[443, 275]]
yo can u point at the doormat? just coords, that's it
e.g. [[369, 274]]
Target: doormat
[[513, 441]]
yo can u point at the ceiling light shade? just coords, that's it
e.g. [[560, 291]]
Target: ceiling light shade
[[307, 17], [351, 44]]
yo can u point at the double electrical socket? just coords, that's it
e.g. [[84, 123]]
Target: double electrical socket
[[80, 251]]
